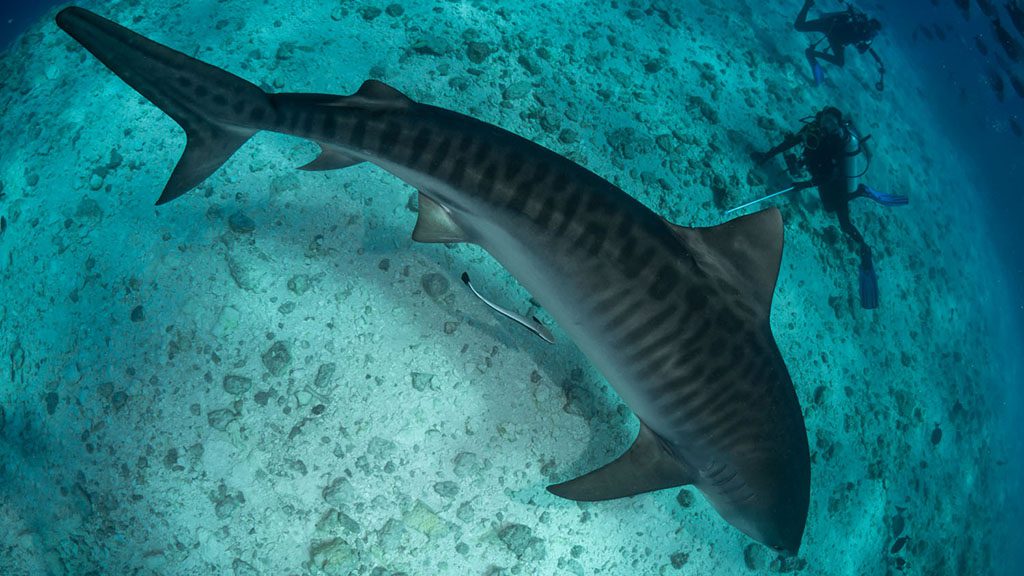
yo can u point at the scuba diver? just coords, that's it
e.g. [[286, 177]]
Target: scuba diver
[[832, 147], [841, 29]]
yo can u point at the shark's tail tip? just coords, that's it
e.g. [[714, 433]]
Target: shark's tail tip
[[67, 16]]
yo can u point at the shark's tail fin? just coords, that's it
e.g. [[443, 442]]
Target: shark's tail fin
[[218, 110]]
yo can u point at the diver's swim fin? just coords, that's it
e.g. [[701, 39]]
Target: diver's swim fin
[[868, 287], [819, 74], [882, 197]]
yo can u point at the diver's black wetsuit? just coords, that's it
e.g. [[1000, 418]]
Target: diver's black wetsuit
[[823, 156], [829, 144], [841, 29]]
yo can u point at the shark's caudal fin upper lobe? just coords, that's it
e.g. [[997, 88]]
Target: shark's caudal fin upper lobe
[[218, 110]]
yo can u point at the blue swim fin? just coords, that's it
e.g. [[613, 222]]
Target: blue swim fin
[[868, 287], [819, 74], [883, 198]]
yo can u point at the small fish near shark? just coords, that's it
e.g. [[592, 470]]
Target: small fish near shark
[[676, 318]]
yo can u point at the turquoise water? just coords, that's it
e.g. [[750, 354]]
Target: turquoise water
[[268, 376]]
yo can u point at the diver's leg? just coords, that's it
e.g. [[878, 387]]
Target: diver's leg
[[867, 278], [837, 57], [843, 214], [801, 18]]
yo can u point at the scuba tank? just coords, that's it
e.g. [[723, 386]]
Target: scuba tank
[[855, 157], [851, 161]]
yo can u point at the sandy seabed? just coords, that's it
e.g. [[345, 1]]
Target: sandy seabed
[[267, 376]]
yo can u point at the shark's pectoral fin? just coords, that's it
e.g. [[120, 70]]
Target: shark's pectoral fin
[[330, 158], [208, 147], [646, 466], [435, 225], [748, 249]]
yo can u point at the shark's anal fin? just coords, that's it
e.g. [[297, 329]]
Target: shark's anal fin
[[330, 158], [208, 147], [749, 247], [435, 225], [645, 467]]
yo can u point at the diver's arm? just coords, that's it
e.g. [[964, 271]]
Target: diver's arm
[[790, 141], [881, 68]]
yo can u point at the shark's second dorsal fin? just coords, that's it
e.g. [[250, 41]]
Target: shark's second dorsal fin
[[434, 224], [747, 249], [645, 467]]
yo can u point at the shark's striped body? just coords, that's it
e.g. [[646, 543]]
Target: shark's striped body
[[677, 319]]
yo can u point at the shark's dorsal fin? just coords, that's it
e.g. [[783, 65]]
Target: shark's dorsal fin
[[645, 467], [330, 158], [435, 225], [381, 92], [374, 94], [747, 249]]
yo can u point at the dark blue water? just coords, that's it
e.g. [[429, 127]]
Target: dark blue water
[[963, 92], [17, 15]]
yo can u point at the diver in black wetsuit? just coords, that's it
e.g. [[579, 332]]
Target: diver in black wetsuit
[[848, 28], [831, 148]]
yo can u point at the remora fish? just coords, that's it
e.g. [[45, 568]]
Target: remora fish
[[677, 319]]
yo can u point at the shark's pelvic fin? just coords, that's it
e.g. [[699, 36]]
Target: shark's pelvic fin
[[645, 467], [330, 158], [435, 225], [750, 246]]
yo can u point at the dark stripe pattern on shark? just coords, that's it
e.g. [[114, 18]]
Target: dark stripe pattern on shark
[[677, 319]]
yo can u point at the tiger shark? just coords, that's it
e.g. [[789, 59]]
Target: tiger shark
[[677, 319]]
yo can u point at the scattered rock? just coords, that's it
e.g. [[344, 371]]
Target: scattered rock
[[298, 284], [241, 272], [277, 358], [421, 381], [219, 419], [467, 464], [240, 223], [237, 385], [679, 559], [784, 565], [395, 10], [446, 489], [335, 557], [51, 400], [568, 136], [89, 209], [370, 13], [424, 520], [936, 435], [338, 493], [137, 314], [685, 498], [755, 556], [390, 535], [477, 52], [325, 375], [428, 46], [242, 568], [434, 284], [519, 539]]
